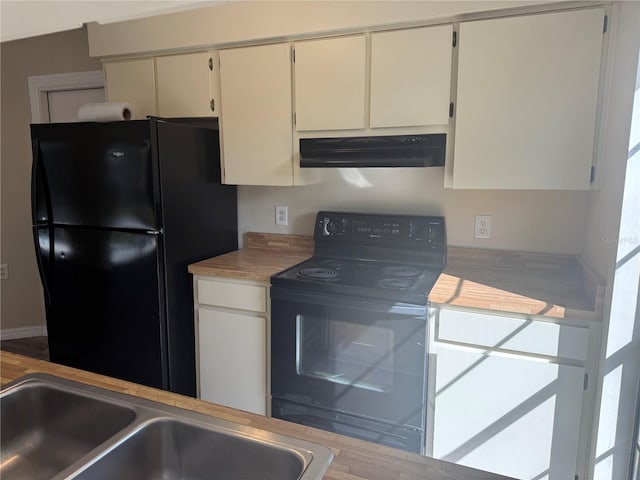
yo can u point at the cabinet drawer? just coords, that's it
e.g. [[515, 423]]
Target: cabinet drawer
[[524, 335], [232, 295]]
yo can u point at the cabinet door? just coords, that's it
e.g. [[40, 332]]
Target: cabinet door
[[256, 126], [132, 81], [232, 359], [509, 415], [186, 85], [330, 83], [411, 77], [527, 100]]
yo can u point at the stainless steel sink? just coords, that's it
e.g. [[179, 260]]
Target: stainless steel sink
[[44, 429], [179, 450], [54, 428]]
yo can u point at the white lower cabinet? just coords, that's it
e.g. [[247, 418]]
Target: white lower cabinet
[[507, 394], [232, 344]]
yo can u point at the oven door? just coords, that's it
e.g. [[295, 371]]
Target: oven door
[[358, 357]]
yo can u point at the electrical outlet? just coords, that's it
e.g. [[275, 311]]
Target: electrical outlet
[[4, 271], [483, 226], [282, 215]]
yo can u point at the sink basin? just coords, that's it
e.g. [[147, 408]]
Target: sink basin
[[44, 429], [178, 450], [56, 429]]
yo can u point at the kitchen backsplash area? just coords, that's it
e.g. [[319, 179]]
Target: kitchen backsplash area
[[537, 221]]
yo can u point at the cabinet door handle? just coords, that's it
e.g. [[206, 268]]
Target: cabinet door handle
[[212, 104]]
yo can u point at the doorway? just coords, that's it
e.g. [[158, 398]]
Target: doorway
[[56, 98], [63, 105]]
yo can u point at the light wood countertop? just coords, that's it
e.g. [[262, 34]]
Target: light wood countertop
[[263, 256], [354, 459], [554, 286]]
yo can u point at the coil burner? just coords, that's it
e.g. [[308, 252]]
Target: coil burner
[[316, 273], [402, 271], [395, 283]]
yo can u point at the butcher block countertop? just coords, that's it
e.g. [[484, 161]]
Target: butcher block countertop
[[554, 286], [557, 286], [264, 255], [353, 459]]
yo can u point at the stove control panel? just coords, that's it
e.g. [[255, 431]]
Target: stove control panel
[[426, 231]]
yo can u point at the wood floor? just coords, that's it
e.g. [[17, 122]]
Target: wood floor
[[34, 347]]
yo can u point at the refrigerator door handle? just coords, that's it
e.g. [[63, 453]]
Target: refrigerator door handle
[[40, 200], [40, 261]]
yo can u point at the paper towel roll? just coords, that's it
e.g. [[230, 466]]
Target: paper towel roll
[[105, 112]]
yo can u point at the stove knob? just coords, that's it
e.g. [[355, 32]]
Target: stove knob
[[326, 221], [341, 226], [417, 230]]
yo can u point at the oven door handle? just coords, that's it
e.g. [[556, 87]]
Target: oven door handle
[[371, 305]]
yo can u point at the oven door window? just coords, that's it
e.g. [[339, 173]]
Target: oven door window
[[340, 351], [366, 362]]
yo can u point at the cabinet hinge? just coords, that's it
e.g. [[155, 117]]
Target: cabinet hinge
[[592, 175], [451, 107], [294, 118], [606, 24], [212, 104], [585, 385], [210, 63], [455, 39], [293, 55]]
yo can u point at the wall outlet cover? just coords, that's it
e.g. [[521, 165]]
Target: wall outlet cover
[[282, 215], [483, 226]]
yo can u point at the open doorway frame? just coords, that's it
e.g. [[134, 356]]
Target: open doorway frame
[[41, 85]]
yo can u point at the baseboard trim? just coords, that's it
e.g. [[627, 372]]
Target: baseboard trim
[[22, 332]]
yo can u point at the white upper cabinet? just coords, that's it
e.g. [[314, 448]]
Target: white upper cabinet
[[411, 77], [132, 81], [257, 127], [183, 85], [330, 83], [187, 85], [527, 94]]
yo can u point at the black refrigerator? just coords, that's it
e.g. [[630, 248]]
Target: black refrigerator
[[119, 211]]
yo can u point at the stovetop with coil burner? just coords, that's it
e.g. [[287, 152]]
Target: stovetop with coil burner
[[388, 257]]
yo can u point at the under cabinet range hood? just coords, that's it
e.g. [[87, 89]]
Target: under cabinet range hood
[[377, 151]]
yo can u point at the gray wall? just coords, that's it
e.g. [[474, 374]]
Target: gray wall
[[21, 303], [541, 221]]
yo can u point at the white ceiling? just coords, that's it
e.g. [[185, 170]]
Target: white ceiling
[[29, 18]]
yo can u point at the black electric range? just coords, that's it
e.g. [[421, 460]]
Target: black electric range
[[349, 329], [385, 257]]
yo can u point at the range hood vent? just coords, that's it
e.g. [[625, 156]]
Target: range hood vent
[[378, 151]]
